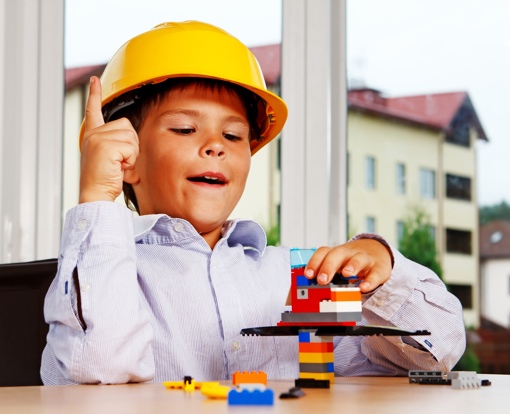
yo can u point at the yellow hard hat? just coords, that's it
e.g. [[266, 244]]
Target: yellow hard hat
[[192, 49]]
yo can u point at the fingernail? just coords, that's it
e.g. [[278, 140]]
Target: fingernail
[[322, 278], [91, 80], [309, 273], [364, 286], [349, 269]]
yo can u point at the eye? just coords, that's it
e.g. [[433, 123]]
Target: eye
[[183, 131], [232, 137]]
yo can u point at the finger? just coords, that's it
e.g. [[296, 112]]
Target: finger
[[372, 280], [315, 262], [93, 115], [349, 262]]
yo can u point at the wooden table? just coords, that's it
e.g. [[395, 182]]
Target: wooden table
[[368, 395]]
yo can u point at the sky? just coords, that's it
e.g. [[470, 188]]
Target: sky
[[400, 47]]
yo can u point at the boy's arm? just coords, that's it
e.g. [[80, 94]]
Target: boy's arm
[[397, 292], [412, 298], [99, 326]]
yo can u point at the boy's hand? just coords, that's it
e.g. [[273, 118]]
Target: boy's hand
[[107, 151], [366, 258]]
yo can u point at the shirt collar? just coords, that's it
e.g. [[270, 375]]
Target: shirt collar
[[247, 233]]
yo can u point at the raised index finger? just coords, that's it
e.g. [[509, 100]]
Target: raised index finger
[[93, 115]]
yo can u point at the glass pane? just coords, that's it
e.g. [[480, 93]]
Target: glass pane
[[429, 85]]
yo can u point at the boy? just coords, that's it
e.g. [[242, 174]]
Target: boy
[[165, 294]]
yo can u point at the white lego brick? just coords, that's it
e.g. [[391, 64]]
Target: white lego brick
[[338, 307]]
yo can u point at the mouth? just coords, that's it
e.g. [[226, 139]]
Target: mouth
[[209, 178]]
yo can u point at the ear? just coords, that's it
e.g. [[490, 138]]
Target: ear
[[131, 176]]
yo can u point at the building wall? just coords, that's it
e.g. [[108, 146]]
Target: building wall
[[462, 269], [261, 196], [73, 116], [391, 142], [495, 291]]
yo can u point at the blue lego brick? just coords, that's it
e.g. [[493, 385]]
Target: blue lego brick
[[251, 397], [300, 257], [304, 336], [304, 281]]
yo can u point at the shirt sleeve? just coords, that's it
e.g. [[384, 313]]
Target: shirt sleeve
[[100, 329], [414, 298]]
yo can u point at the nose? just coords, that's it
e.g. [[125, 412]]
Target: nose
[[214, 146]]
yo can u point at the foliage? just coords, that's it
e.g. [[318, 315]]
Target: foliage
[[418, 243], [468, 362], [493, 212], [273, 235]]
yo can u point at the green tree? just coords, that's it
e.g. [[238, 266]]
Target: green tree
[[417, 242], [273, 236], [493, 212]]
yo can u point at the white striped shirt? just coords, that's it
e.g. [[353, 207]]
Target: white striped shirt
[[155, 303]]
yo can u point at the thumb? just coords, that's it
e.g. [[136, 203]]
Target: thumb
[[93, 114]]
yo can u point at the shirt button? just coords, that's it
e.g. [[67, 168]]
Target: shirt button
[[85, 287], [81, 224], [178, 227], [235, 346]]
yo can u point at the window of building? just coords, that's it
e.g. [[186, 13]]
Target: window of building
[[458, 187], [427, 183], [370, 224], [370, 173], [400, 178], [400, 230], [458, 241], [432, 232], [459, 133], [464, 293]]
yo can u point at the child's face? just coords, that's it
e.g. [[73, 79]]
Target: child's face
[[194, 158]]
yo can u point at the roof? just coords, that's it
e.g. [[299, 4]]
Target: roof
[[269, 61], [436, 111], [79, 76], [495, 240]]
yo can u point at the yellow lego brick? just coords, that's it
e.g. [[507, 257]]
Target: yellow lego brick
[[316, 357], [318, 375], [214, 390]]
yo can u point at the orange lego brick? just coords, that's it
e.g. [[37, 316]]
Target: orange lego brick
[[245, 377], [341, 295], [316, 347]]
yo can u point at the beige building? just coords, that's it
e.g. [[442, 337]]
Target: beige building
[[402, 153], [419, 151]]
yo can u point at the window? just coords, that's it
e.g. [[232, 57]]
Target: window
[[400, 178], [370, 173], [400, 231], [427, 183], [460, 126], [458, 241], [458, 187], [370, 224], [432, 232], [464, 293]]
